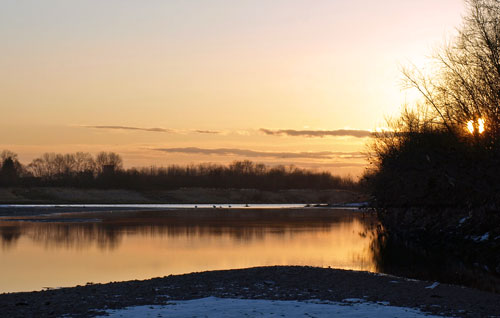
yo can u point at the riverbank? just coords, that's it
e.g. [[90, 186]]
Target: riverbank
[[48, 195], [459, 245], [145, 215], [191, 216], [275, 283]]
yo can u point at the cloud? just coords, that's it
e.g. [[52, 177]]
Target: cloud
[[281, 132], [263, 154], [318, 133], [343, 164], [161, 130], [206, 131]]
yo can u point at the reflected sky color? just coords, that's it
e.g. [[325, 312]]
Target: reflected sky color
[[188, 67], [56, 251]]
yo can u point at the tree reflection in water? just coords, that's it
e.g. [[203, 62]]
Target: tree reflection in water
[[71, 249], [106, 230]]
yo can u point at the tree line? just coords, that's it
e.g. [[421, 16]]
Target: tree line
[[105, 170]]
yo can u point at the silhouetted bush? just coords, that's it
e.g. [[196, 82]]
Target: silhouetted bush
[[435, 168]]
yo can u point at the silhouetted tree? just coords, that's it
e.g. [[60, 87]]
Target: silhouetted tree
[[9, 172], [108, 162], [464, 84], [436, 153], [10, 168], [84, 162], [106, 170]]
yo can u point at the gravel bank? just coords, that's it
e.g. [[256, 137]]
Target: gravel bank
[[277, 282]]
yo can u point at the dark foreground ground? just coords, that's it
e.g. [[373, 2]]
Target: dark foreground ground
[[277, 282]]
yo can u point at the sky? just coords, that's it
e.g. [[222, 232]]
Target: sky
[[175, 82]]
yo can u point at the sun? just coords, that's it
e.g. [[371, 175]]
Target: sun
[[470, 126], [480, 126]]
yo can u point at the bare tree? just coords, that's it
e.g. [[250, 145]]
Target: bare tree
[[108, 160], [37, 168], [12, 159], [84, 162], [447, 149], [464, 85], [52, 165], [8, 154]]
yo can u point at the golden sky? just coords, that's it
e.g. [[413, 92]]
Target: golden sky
[[219, 80]]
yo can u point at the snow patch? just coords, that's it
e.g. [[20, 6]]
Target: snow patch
[[481, 238], [357, 204], [353, 300], [485, 236], [434, 285], [213, 307], [462, 220]]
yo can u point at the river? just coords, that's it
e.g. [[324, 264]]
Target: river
[[68, 249]]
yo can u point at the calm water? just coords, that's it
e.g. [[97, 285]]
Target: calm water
[[71, 249], [156, 206]]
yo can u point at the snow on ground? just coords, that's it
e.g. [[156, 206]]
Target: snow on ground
[[213, 307], [434, 285]]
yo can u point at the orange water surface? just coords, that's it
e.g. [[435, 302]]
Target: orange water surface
[[49, 252]]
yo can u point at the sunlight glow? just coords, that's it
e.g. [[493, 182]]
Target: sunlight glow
[[470, 126], [383, 129], [480, 126], [480, 123]]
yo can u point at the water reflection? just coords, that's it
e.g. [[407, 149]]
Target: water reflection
[[9, 234], [396, 256], [101, 247]]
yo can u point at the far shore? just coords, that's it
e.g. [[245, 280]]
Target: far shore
[[54, 195], [275, 283], [189, 215]]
